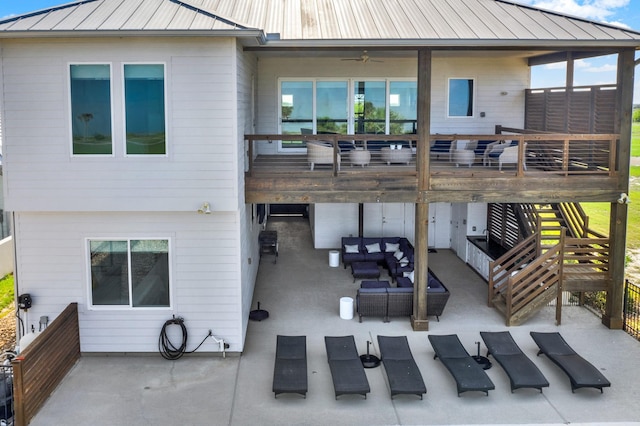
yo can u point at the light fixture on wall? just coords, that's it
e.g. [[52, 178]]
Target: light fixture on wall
[[624, 199], [205, 208]]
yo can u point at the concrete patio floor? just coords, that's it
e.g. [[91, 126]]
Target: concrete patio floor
[[302, 294]]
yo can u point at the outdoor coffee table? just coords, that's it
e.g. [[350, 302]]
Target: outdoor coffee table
[[360, 157], [395, 155], [364, 270]]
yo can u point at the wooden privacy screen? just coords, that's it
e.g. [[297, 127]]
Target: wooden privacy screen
[[39, 369], [575, 110]]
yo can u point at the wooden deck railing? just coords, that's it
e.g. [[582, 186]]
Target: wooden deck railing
[[539, 153], [521, 275], [39, 369]]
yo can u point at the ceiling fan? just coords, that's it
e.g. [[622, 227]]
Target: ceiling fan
[[364, 58]]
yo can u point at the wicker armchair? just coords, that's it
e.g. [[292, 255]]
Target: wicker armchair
[[319, 152]]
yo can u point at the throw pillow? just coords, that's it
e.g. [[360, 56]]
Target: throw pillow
[[408, 275], [404, 262], [373, 248], [398, 254], [391, 247], [351, 248]]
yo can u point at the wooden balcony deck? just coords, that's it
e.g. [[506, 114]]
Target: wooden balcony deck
[[577, 167]]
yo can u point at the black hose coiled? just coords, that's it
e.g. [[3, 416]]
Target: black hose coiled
[[166, 348]]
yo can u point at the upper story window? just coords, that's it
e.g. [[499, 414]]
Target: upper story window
[[461, 97], [91, 109], [347, 107], [129, 273], [144, 98]]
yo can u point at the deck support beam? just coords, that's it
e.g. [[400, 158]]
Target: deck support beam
[[419, 321], [614, 310]]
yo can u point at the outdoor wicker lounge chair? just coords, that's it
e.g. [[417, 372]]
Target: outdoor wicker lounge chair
[[522, 372], [581, 372], [468, 374], [402, 371], [346, 367], [290, 370]]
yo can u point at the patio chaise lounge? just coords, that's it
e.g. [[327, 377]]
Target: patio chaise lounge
[[346, 367], [522, 372], [402, 371], [581, 372], [290, 370], [468, 374]]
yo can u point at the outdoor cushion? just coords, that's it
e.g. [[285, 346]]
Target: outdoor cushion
[[402, 371], [582, 374], [351, 249], [391, 247], [522, 372], [467, 373], [375, 284], [290, 369], [346, 368], [373, 248]]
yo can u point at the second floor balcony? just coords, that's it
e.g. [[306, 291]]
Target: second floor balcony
[[511, 164]]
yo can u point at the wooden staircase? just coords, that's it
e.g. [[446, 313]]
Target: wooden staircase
[[560, 254]]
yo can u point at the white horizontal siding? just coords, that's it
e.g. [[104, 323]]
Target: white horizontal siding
[[246, 65], [202, 160], [493, 75], [52, 266]]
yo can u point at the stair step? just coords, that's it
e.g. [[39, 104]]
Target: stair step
[[528, 311]]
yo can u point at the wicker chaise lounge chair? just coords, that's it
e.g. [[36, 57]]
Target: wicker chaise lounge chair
[[522, 372], [290, 370], [402, 371], [468, 374], [346, 367], [581, 372]]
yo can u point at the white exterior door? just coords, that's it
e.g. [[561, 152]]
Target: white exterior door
[[387, 220], [459, 229], [439, 225]]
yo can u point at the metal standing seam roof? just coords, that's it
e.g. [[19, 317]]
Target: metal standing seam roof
[[456, 22]]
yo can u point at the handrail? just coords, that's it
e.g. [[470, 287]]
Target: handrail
[[553, 153], [500, 269]]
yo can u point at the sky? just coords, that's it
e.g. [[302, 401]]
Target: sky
[[591, 71]]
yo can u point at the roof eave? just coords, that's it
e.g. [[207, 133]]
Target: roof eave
[[252, 36], [452, 43]]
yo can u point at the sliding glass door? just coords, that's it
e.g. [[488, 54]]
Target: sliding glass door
[[346, 107]]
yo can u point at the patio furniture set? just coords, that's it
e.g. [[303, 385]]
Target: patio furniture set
[[321, 152], [466, 152], [458, 152], [404, 376], [378, 298]]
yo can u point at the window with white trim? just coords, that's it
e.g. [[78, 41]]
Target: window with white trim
[[144, 103], [130, 273], [90, 86], [461, 97]]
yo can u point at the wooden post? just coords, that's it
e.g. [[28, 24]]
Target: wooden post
[[613, 316], [419, 320]]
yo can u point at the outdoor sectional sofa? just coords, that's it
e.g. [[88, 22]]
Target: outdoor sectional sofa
[[396, 254], [389, 302]]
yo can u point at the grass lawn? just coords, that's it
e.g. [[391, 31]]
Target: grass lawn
[[6, 291], [599, 213], [635, 140]]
